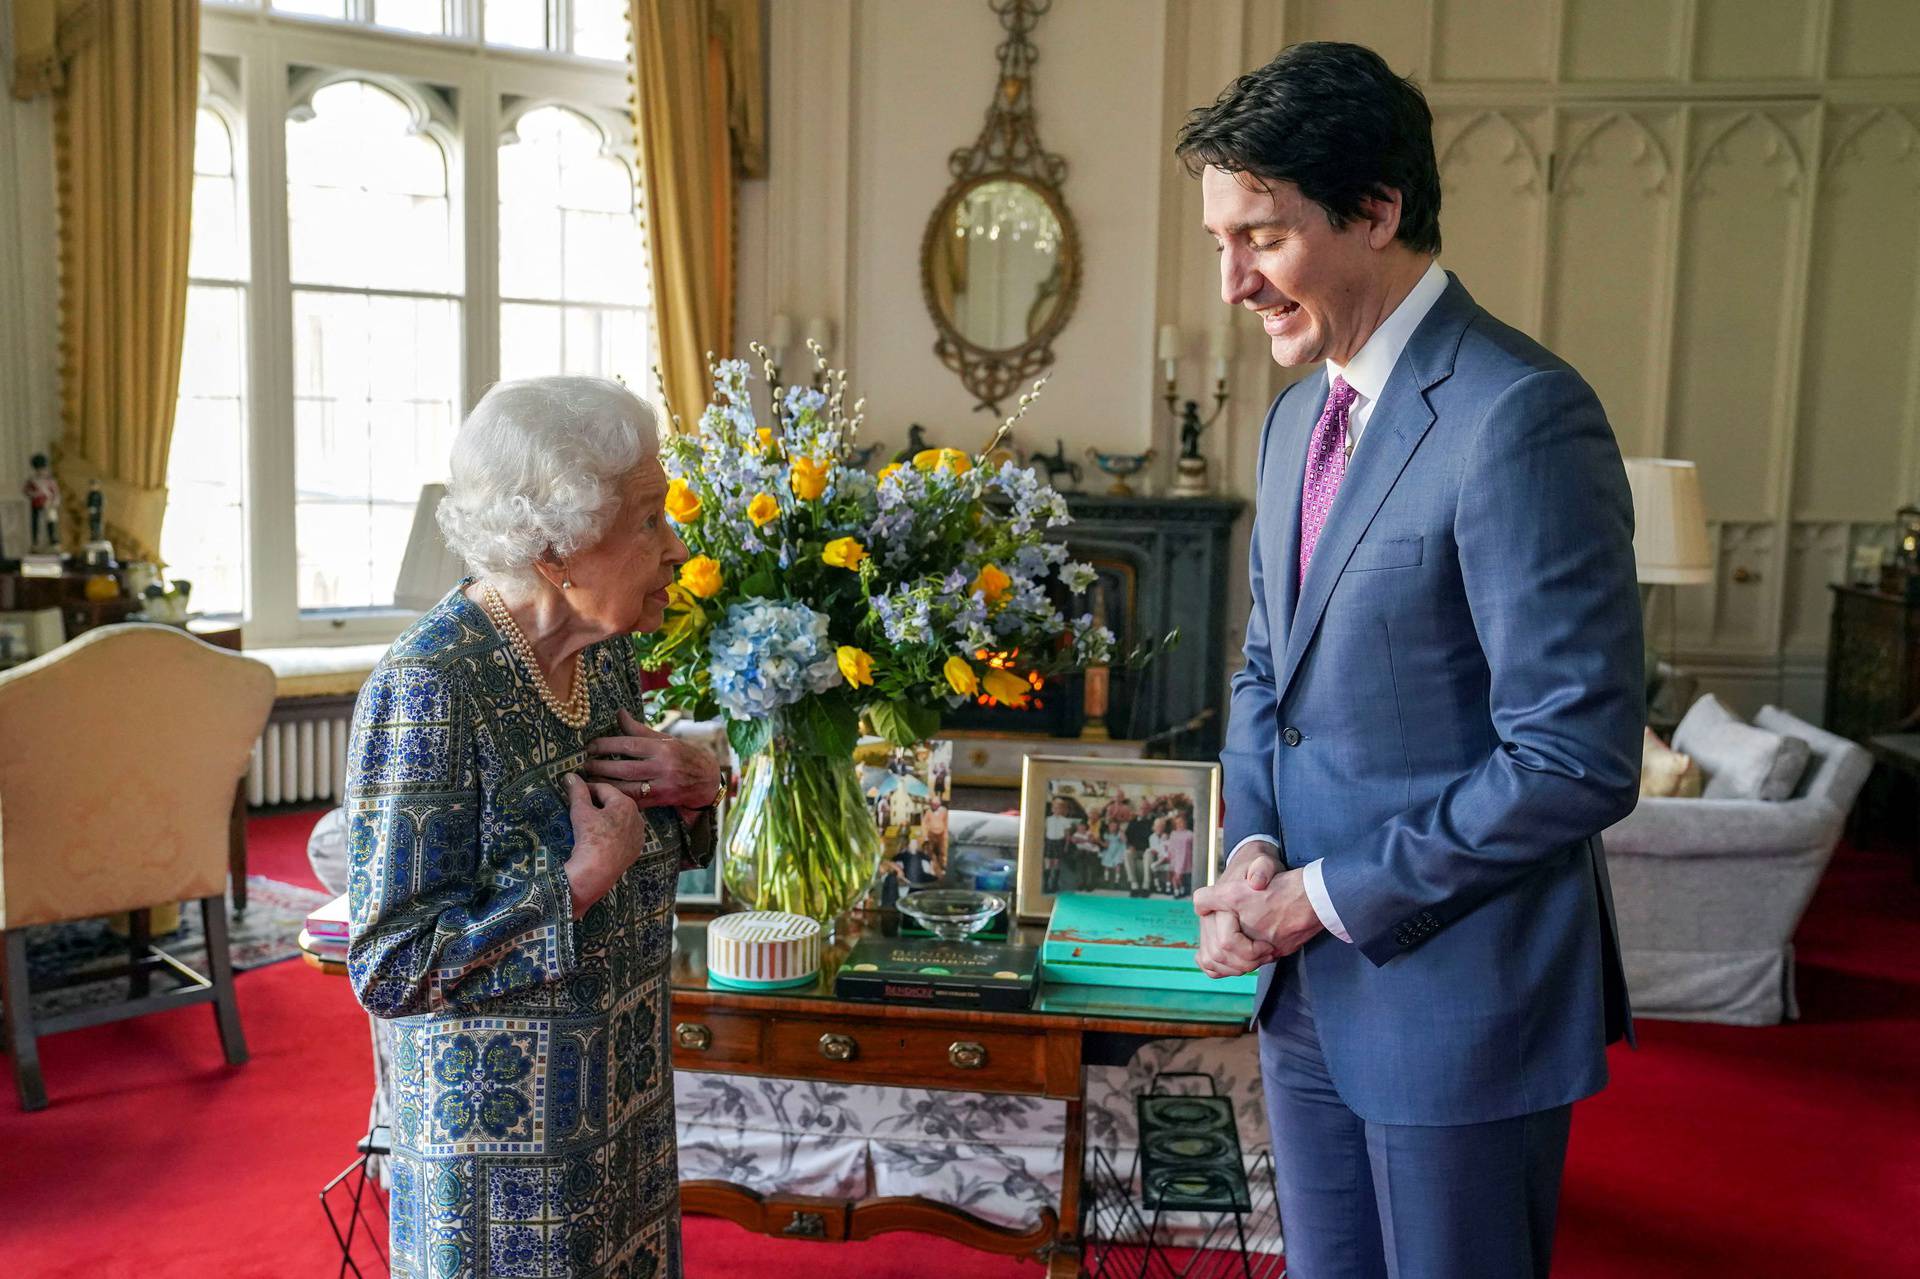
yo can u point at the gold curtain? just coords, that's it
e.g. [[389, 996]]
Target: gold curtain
[[699, 116], [125, 75]]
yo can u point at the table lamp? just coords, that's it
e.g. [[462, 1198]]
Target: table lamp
[[1669, 536]]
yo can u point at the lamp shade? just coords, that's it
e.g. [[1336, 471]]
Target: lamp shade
[[1669, 523]]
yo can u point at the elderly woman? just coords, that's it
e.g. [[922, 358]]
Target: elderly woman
[[516, 833]]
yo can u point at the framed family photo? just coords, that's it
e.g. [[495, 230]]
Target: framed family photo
[[908, 789], [1116, 828]]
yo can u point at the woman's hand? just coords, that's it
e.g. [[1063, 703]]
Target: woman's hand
[[654, 769], [608, 836]]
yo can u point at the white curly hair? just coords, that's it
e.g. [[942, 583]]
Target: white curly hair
[[536, 468]]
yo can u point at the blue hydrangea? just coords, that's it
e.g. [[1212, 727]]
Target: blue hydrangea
[[766, 655]]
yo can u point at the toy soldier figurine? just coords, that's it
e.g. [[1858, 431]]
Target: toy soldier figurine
[[43, 493]]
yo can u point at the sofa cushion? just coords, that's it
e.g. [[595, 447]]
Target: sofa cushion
[[1739, 760], [1665, 773]]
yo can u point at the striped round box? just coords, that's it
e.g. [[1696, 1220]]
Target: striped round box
[[763, 950]]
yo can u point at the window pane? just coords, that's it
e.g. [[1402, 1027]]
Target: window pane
[[428, 17], [367, 201], [375, 405], [218, 246], [313, 8], [204, 537], [519, 23], [600, 29], [573, 277]]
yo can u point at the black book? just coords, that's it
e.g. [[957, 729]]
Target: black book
[[926, 970]]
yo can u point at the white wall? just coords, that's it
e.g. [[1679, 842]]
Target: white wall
[[29, 318], [1712, 207]]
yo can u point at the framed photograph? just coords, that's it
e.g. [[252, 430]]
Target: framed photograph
[[35, 632], [1116, 828], [909, 789]]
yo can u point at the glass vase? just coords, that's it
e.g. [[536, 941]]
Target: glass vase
[[801, 837]]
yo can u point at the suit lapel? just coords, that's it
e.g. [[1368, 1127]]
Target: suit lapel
[[1291, 463], [1399, 422]]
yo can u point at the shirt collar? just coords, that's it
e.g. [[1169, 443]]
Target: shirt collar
[[1373, 363]]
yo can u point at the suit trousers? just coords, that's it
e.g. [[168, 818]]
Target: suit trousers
[[1362, 1200]]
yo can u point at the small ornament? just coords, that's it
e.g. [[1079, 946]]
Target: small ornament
[[1120, 466], [1058, 465], [43, 494]]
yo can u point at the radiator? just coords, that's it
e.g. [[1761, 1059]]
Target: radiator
[[299, 759]]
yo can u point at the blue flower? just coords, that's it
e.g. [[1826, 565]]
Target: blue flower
[[766, 655]]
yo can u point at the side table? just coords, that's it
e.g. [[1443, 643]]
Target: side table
[[1901, 753]]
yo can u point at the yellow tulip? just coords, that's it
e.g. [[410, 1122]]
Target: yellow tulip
[[701, 576], [683, 504], [960, 676], [992, 584], [1007, 688], [763, 510], [844, 552], [949, 459], [888, 469], [809, 478], [856, 664], [766, 439]]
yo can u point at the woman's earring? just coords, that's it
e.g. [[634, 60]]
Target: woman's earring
[[566, 583]]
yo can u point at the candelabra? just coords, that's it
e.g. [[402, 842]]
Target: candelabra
[[1190, 468]]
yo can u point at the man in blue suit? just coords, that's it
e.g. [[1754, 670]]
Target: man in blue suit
[[1441, 705]]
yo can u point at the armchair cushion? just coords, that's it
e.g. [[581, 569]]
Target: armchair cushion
[[1665, 773], [1740, 761]]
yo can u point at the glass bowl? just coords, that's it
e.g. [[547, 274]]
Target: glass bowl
[[952, 914]]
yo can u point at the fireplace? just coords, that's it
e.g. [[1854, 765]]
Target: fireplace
[[1161, 565]]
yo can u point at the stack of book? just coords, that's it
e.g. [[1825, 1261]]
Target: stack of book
[[327, 930]]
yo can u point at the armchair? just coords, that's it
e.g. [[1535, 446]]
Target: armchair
[[119, 757], [1708, 892]]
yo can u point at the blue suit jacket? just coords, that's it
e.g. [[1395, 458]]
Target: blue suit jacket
[[1448, 710]]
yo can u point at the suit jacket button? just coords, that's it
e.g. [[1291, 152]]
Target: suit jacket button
[[1291, 736]]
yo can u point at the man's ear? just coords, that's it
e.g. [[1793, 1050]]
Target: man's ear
[[1381, 212]]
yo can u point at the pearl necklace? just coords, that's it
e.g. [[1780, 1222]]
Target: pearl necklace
[[578, 708]]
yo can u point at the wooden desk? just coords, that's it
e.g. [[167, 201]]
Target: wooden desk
[[810, 1034]]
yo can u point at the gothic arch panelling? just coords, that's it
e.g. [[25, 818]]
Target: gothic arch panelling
[[1493, 202], [1745, 200], [1858, 416], [1608, 255]]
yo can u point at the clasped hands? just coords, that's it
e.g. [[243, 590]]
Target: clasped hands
[[1253, 914]]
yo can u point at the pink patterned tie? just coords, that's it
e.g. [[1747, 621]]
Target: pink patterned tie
[[1326, 467]]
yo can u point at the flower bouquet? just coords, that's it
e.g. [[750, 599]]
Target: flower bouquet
[[817, 595]]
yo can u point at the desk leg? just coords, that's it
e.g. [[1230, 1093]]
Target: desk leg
[[1063, 1261]]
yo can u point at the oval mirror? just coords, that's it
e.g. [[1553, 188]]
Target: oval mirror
[[1000, 263]]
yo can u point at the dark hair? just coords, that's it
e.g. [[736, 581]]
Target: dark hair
[[1334, 120]]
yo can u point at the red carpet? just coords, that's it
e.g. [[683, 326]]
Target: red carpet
[[1716, 1152]]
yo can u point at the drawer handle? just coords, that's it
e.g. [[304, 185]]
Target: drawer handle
[[838, 1047], [693, 1037], [967, 1055]]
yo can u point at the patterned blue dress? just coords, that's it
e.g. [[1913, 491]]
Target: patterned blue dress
[[533, 1127]]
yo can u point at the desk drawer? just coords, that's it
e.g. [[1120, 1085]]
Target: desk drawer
[[885, 1052], [707, 1039]]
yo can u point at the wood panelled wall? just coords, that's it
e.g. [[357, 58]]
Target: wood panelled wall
[[1712, 209]]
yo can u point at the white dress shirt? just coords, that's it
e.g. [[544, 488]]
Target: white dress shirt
[[1367, 374]]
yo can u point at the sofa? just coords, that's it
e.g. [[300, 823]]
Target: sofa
[[1709, 891]]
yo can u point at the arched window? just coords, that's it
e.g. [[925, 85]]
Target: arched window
[[374, 263], [205, 534], [574, 293]]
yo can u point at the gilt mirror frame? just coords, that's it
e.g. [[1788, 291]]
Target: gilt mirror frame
[[1007, 150]]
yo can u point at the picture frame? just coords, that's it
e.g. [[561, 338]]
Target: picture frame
[[36, 631], [909, 790], [1115, 828]]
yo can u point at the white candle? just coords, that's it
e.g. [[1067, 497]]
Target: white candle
[[820, 332], [1220, 344], [1169, 343], [780, 332]]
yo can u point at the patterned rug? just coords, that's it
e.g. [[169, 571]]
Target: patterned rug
[[264, 934]]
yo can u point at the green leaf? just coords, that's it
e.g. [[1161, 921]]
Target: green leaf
[[828, 725], [749, 736], [904, 723], [759, 583]]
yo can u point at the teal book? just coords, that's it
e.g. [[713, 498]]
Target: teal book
[[1149, 942]]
